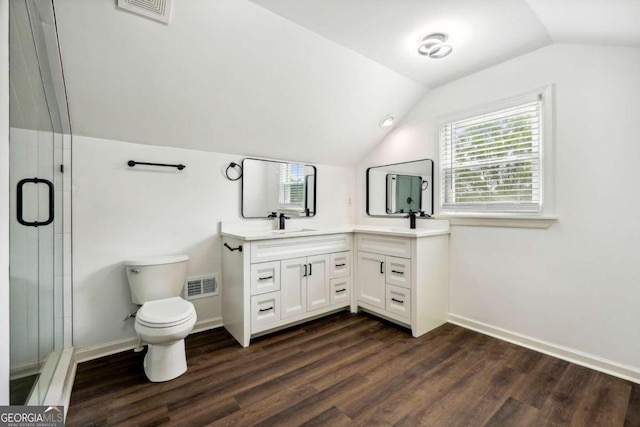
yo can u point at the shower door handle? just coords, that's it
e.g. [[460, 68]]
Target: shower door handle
[[19, 202]]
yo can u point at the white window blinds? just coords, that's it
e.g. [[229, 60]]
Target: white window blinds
[[491, 162], [291, 188]]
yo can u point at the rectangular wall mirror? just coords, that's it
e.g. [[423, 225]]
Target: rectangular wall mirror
[[400, 188], [272, 186]]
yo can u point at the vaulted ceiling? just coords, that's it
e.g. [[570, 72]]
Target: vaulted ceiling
[[305, 80], [482, 32]]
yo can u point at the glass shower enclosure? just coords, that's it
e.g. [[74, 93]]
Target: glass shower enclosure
[[39, 142]]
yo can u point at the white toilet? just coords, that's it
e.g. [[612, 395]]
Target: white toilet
[[165, 319]]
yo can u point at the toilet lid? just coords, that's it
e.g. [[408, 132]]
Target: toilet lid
[[165, 312]]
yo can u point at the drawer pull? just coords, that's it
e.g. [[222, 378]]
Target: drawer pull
[[397, 272], [397, 300], [341, 290], [340, 265], [381, 265], [265, 309], [265, 278]]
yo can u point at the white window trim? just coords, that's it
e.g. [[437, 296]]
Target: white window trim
[[546, 216], [494, 220]]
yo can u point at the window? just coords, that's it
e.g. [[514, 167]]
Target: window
[[492, 158], [291, 188]]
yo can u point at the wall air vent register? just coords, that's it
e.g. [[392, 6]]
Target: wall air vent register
[[201, 286], [159, 10]]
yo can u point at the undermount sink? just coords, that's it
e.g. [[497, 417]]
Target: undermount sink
[[297, 230]]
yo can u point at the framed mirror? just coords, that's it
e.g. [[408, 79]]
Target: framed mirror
[[397, 189], [272, 186]]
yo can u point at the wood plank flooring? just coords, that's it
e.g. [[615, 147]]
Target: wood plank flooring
[[354, 369], [19, 389]]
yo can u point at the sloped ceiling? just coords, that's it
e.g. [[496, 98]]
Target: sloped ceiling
[[482, 32], [305, 80], [225, 76]]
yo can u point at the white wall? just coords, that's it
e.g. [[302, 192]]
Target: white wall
[[122, 212], [4, 202], [575, 284]]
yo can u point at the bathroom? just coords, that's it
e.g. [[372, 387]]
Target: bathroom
[[265, 83]]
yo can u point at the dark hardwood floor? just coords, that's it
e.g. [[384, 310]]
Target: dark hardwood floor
[[19, 389], [349, 369]]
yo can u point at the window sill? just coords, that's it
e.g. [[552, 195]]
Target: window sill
[[508, 221]]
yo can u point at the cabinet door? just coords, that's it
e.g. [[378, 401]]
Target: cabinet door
[[293, 289], [371, 279], [318, 289]]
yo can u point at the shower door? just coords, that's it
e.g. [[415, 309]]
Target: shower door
[[36, 234]]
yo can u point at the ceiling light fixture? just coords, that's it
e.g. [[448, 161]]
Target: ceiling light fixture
[[386, 121], [433, 46]]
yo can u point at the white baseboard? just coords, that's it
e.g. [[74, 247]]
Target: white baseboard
[[26, 369], [625, 372], [97, 351], [207, 324]]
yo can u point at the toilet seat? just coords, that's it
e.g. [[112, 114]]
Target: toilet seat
[[165, 313]]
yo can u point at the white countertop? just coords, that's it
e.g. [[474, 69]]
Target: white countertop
[[399, 231], [248, 235]]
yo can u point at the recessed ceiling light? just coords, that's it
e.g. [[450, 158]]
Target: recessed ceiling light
[[433, 46], [386, 121]]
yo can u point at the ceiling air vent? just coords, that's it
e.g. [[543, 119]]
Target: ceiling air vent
[[160, 10], [201, 286]]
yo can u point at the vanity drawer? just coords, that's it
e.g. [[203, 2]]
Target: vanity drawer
[[340, 290], [385, 245], [265, 277], [295, 247], [265, 311], [398, 271], [340, 265], [398, 301]]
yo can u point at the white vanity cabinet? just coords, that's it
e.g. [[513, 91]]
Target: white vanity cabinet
[[404, 279], [275, 282]]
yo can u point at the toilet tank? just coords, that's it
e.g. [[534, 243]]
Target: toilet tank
[[156, 278]]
